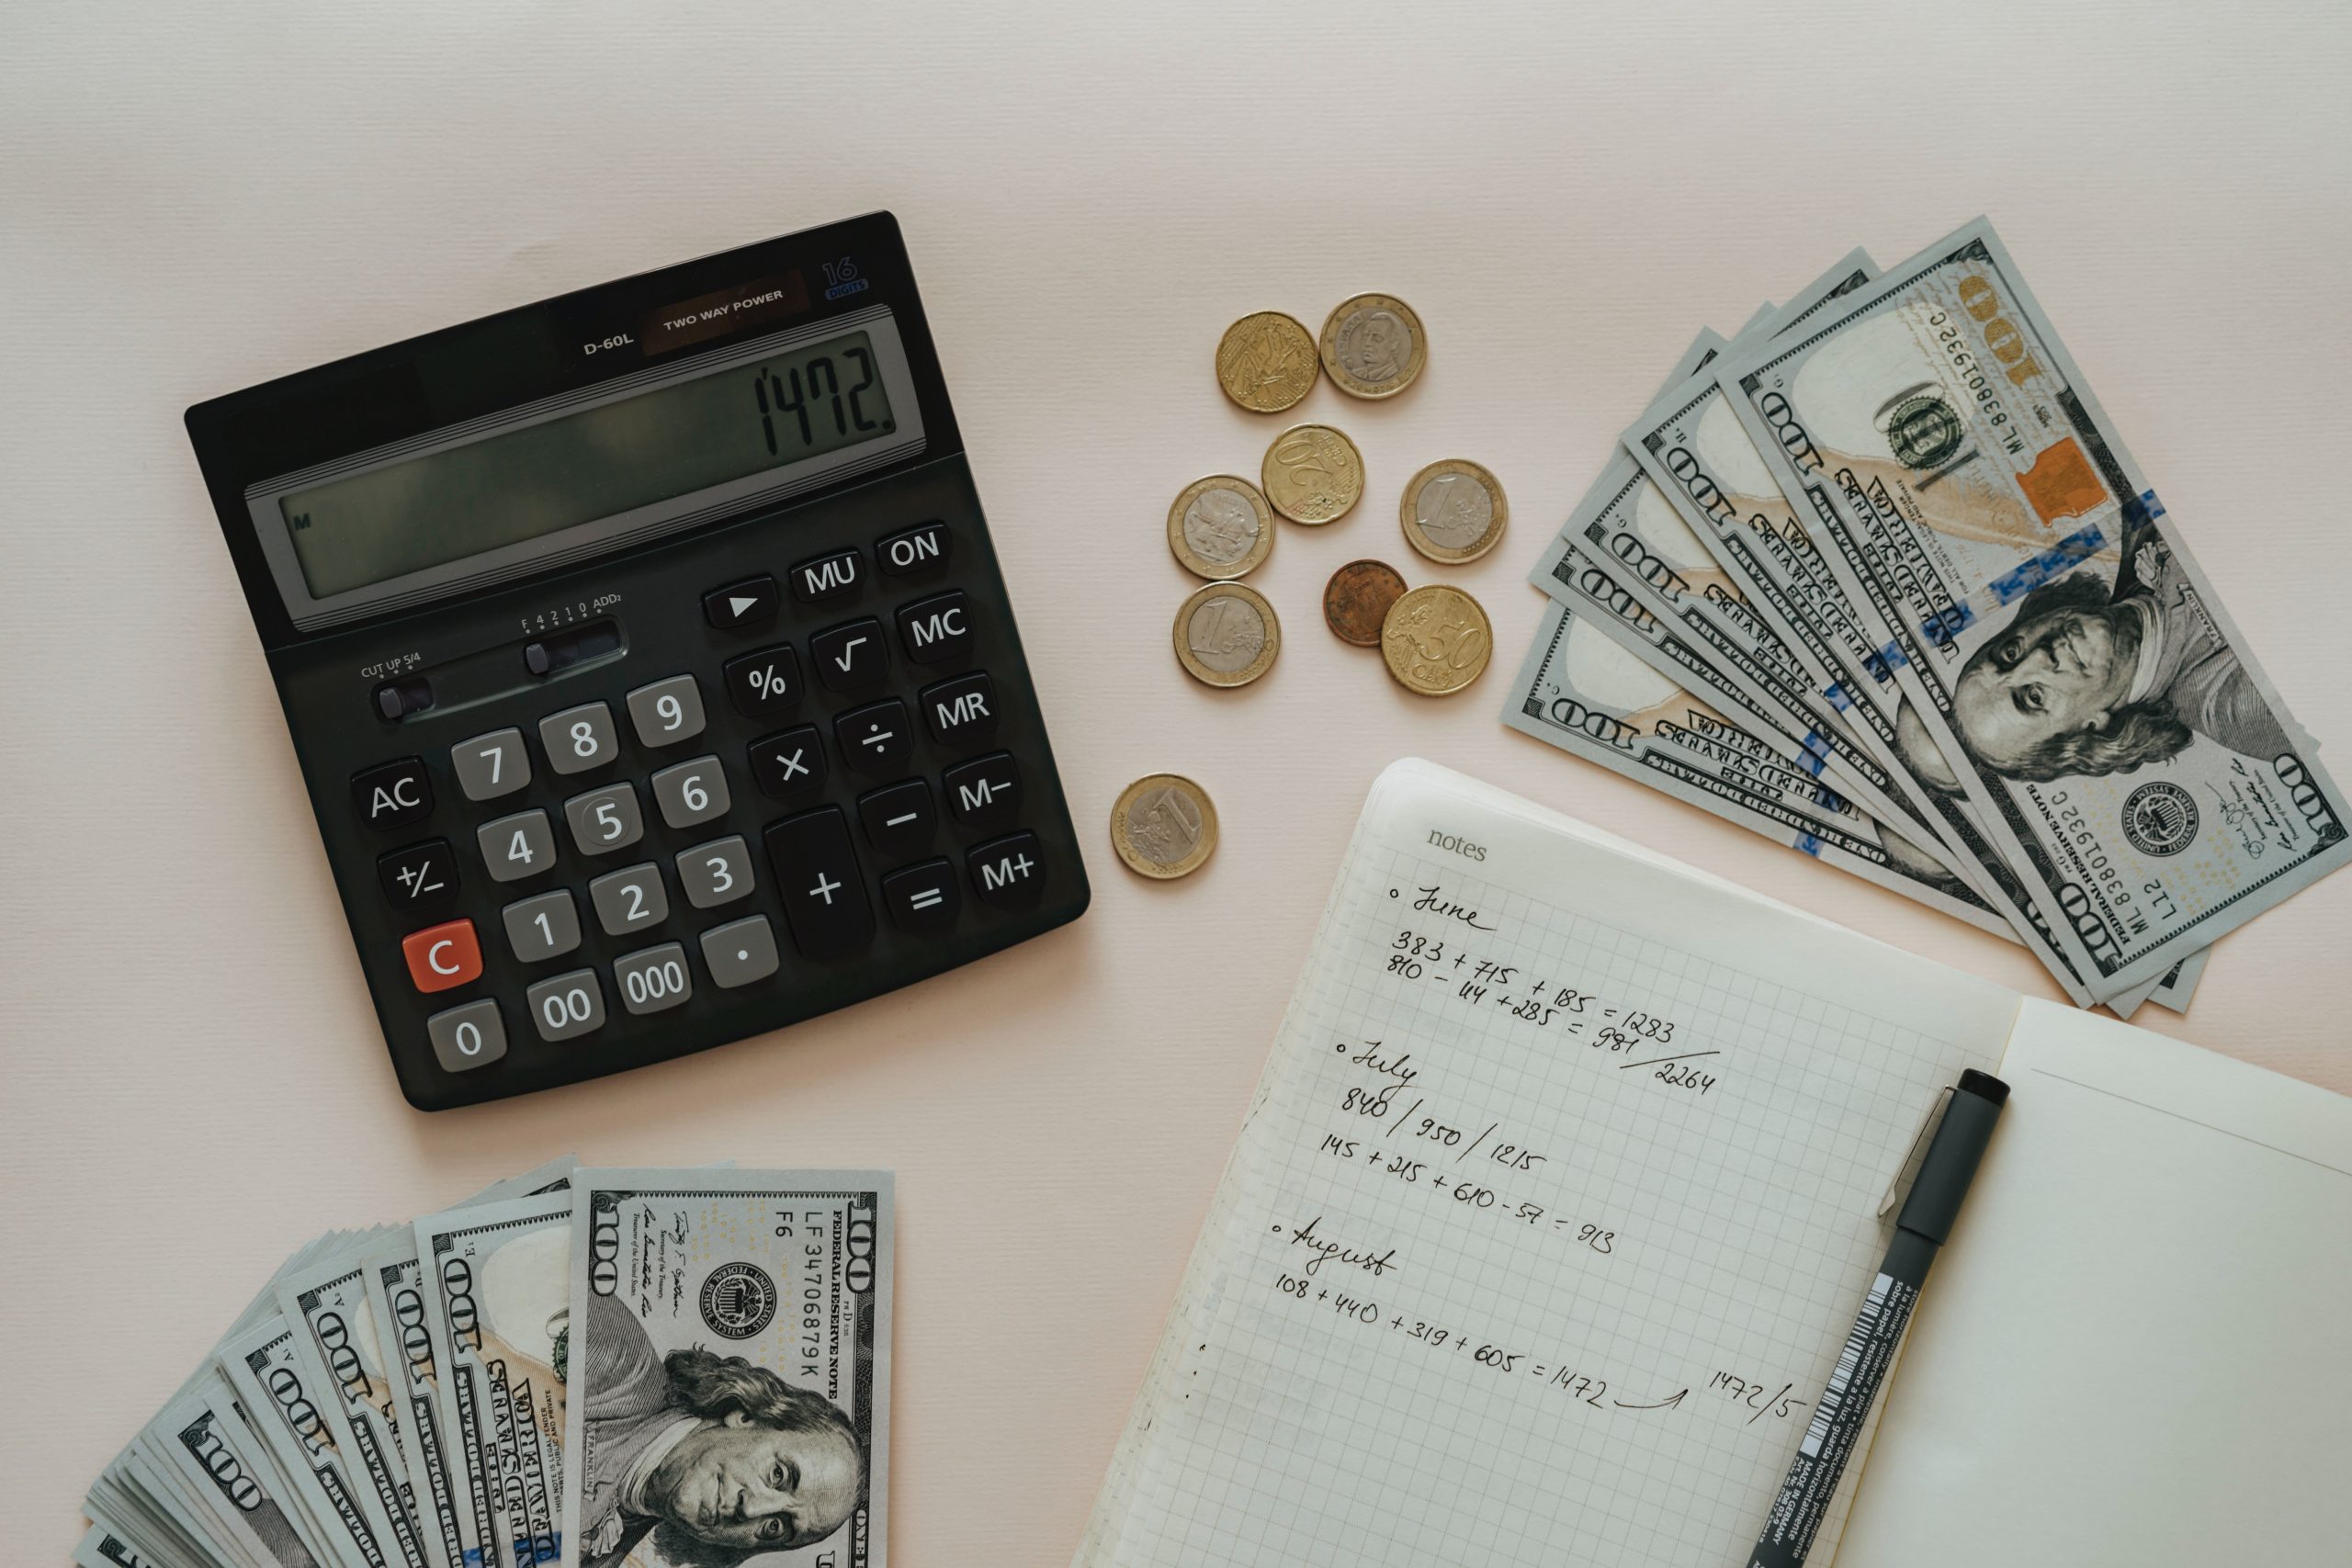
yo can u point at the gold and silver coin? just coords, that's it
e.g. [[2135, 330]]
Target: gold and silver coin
[[1226, 635], [1453, 511], [1220, 527], [1436, 641], [1356, 601], [1164, 826], [1373, 345], [1312, 474], [1266, 362]]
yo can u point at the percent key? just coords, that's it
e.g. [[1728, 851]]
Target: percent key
[[765, 683]]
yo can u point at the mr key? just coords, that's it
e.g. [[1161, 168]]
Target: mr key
[[653, 695]]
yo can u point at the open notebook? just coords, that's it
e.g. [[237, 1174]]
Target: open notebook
[[1559, 1194]]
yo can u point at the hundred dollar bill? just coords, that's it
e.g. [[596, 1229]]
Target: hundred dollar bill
[[1580, 691], [456, 1520], [109, 1545], [496, 1321], [1626, 554], [326, 1302], [290, 1406], [213, 1449], [1692, 446], [730, 1369], [2065, 665]]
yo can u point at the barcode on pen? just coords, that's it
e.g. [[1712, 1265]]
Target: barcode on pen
[[1865, 1327]]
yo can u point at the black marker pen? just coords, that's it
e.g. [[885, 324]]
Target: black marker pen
[[1920, 1231]]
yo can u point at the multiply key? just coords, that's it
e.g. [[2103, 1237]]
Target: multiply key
[[817, 875], [789, 766]]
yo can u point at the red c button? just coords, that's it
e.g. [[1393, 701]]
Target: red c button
[[442, 957]]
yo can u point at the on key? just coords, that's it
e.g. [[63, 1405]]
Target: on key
[[824, 895]]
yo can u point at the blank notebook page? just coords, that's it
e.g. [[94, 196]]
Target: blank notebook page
[[2139, 1354], [1548, 1217]]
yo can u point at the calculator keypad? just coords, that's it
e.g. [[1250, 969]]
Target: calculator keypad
[[629, 900], [466, 1037], [716, 872], [937, 630], [579, 738], [739, 952], [692, 792], [393, 794], [764, 683], [653, 980], [878, 737], [899, 820], [660, 889], [567, 1006], [516, 847], [544, 926], [790, 766], [923, 898], [605, 821], [419, 876], [666, 712], [850, 659], [961, 711], [818, 876], [444, 957], [828, 577]]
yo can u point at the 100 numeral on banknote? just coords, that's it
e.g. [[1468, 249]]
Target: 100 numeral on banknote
[[2050, 632], [728, 1368]]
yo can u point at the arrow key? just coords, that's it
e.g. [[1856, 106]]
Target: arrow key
[[740, 604], [849, 658]]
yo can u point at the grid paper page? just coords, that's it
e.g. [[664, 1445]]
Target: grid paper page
[[1548, 1217]]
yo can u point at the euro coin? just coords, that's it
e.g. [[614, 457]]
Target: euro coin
[[1453, 511], [1164, 826], [1373, 345], [1356, 601], [1436, 641], [1226, 635], [1220, 527], [1312, 473], [1266, 362]]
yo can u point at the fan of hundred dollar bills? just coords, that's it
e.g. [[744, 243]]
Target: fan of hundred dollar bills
[[1877, 578], [595, 1368]]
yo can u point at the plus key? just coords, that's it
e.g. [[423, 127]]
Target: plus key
[[825, 905]]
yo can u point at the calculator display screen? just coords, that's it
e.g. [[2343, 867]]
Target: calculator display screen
[[520, 484]]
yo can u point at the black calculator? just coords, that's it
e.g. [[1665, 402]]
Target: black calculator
[[648, 661]]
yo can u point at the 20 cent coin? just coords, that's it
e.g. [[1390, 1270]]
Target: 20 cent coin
[[1164, 826], [1226, 635], [1266, 362], [1220, 527], [1356, 601], [1436, 641], [1312, 473], [1453, 511], [1373, 345]]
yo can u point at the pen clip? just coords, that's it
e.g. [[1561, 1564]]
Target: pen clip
[[1927, 1120]]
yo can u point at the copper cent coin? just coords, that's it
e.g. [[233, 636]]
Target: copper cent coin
[[1356, 601], [1164, 826], [1226, 635], [1266, 362]]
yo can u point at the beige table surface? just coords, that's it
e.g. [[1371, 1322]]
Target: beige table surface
[[191, 1080]]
